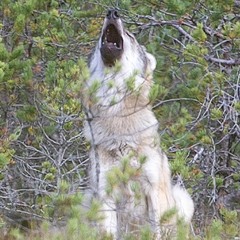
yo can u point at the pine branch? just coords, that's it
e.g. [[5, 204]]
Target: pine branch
[[230, 62]]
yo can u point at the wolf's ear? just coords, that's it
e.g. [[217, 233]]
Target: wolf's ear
[[152, 61]]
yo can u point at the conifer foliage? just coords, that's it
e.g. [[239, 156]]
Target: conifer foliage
[[196, 97]]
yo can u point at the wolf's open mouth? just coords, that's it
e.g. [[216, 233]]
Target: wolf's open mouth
[[112, 44], [111, 37]]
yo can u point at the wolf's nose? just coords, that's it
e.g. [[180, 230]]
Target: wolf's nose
[[112, 14]]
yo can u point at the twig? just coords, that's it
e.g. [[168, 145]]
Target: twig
[[231, 62]]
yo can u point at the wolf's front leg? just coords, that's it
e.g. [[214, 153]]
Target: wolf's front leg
[[110, 217], [160, 200], [153, 204], [109, 223], [157, 187]]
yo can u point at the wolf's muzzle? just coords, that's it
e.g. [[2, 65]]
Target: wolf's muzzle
[[112, 39]]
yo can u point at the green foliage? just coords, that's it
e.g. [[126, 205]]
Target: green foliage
[[94, 214], [182, 230], [4, 159], [76, 229], [19, 23], [214, 231], [93, 89], [27, 114], [194, 52], [230, 218], [146, 234], [156, 91], [177, 6], [178, 165], [168, 216], [130, 82], [125, 173], [6, 152], [16, 234], [199, 34], [3, 52]]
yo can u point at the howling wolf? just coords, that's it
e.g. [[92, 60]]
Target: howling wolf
[[129, 171]]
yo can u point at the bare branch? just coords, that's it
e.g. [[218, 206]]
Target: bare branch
[[231, 62]]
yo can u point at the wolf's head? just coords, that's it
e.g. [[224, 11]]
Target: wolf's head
[[116, 44]]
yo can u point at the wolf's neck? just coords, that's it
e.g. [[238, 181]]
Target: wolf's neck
[[121, 89], [129, 64]]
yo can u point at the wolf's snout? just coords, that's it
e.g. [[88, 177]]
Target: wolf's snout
[[112, 14]]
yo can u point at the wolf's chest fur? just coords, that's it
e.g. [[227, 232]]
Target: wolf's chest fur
[[120, 114]]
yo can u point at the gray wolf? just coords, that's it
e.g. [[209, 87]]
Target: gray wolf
[[123, 132]]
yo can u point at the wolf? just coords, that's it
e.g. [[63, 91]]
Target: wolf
[[125, 151]]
